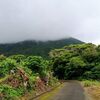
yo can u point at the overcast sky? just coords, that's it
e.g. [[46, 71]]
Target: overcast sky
[[49, 19]]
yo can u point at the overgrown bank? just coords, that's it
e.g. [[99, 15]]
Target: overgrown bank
[[93, 88], [21, 75]]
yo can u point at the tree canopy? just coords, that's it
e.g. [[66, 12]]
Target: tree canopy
[[76, 61]]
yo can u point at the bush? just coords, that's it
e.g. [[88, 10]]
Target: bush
[[6, 66], [9, 93]]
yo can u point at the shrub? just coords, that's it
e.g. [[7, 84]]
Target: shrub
[[9, 93]]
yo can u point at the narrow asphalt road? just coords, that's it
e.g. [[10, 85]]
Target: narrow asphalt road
[[72, 90]]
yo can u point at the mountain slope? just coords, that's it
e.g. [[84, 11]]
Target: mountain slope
[[32, 47]]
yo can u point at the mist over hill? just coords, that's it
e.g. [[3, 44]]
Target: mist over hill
[[38, 48]]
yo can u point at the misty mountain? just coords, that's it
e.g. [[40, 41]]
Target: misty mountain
[[39, 48]]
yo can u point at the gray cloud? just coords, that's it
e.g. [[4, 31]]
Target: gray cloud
[[49, 19]]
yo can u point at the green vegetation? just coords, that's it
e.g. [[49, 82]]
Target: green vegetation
[[21, 74], [37, 48], [81, 61], [93, 88], [89, 83], [49, 95], [9, 92]]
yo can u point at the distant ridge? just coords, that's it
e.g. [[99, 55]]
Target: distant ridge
[[38, 48]]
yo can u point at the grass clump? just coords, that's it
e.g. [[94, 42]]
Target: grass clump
[[89, 83], [9, 93]]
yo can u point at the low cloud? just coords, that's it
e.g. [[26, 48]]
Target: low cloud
[[49, 20]]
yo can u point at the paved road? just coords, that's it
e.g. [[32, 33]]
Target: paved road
[[72, 90]]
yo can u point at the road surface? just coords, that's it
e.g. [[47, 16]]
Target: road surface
[[72, 90]]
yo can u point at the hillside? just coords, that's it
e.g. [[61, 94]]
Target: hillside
[[32, 47]]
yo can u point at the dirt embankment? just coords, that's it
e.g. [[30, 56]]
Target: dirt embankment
[[94, 92]]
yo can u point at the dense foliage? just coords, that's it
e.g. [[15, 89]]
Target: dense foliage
[[21, 74], [76, 61], [37, 48]]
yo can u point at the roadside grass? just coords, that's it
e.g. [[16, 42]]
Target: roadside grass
[[89, 83], [49, 95], [93, 88]]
